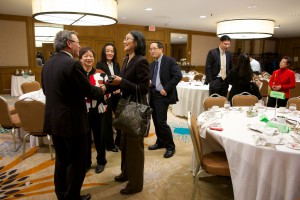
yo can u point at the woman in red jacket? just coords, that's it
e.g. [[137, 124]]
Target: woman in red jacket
[[282, 80]]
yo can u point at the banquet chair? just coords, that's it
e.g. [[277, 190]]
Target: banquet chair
[[259, 84], [214, 163], [31, 114], [30, 86], [295, 100], [213, 100], [295, 92], [185, 79], [244, 99], [264, 91], [198, 77], [9, 121]]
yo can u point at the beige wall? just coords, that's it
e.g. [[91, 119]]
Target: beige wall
[[13, 40], [201, 45]]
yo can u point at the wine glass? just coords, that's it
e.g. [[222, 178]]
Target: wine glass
[[293, 107], [227, 105]]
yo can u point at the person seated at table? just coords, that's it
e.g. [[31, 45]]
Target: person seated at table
[[282, 80], [240, 77]]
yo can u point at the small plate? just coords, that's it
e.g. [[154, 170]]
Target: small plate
[[283, 111], [292, 145]]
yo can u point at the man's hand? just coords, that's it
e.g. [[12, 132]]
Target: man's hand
[[163, 92]]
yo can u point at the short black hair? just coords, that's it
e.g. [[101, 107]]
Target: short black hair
[[225, 38], [159, 44], [140, 48]]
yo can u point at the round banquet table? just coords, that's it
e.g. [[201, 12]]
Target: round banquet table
[[16, 82], [190, 98], [257, 172]]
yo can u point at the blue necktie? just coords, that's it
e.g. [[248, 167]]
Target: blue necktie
[[155, 74]]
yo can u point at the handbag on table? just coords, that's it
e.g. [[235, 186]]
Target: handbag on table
[[133, 117]]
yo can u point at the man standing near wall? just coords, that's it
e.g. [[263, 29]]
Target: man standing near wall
[[218, 65], [165, 75]]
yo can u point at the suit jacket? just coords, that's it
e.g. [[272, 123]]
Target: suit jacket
[[170, 75], [213, 64], [65, 86], [104, 67], [134, 73]]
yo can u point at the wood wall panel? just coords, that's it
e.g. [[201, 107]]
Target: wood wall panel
[[96, 37]]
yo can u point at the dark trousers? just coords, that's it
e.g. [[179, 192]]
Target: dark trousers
[[162, 129], [110, 143], [132, 161], [218, 86], [280, 102], [96, 124], [70, 165]]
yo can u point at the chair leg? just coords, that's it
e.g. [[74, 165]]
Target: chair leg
[[195, 184], [50, 146], [24, 145], [14, 138]]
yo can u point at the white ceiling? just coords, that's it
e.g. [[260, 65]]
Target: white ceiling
[[186, 14]]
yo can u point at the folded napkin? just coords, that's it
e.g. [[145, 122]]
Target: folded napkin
[[207, 120], [264, 140]]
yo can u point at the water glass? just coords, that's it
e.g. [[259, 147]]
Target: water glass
[[293, 107], [227, 105], [261, 103]]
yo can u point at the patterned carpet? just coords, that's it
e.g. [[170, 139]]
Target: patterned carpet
[[164, 179]]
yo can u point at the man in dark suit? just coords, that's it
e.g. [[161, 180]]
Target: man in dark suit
[[65, 87], [165, 75], [218, 65]]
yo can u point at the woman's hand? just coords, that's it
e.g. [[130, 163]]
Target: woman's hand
[[276, 87], [117, 80]]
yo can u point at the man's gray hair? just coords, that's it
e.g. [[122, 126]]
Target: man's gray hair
[[61, 38]]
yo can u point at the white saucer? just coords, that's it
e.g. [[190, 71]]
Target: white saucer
[[292, 145]]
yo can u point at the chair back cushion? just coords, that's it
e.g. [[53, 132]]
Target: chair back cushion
[[295, 92], [295, 100], [185, 79], [30, 86], [265, 88], [192, 124], [198, 77], [5, 119], [244, 99], [213, 101], [31, 115]]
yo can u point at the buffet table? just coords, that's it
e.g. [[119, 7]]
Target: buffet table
[[258, 171], [16, 82]]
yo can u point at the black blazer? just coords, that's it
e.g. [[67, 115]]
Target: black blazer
[[135, 73], [170, 76], [104, 67], [65, 86], [213, 64]]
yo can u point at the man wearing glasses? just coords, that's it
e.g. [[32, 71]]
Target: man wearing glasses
[[165, 75], [218, 65]]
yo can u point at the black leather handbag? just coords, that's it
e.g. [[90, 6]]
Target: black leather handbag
[[133, 117]]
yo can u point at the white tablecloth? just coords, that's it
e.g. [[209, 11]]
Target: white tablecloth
[[257, 172], [190, 99], [16, 82]]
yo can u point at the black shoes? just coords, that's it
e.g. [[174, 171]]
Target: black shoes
[[99, 168], [115, 149], [128, 191], [169, 153], [85, 197], [155, 146], [121, 178]]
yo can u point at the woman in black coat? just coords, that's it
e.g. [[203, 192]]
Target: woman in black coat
[[240, 77]]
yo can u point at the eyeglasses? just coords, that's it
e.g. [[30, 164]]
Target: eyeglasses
[[74, 41], [153, 49], [126, 39]]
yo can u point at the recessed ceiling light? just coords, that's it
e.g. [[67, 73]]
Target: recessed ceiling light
[[148, 9], [277, 26], [123, 17], [251, 7], [202, 16], [295, 15]]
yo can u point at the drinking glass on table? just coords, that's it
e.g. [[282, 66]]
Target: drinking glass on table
[[226, 105], [293, 107]]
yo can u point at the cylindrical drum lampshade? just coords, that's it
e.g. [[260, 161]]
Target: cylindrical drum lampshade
[[76, 12], [246, 28]]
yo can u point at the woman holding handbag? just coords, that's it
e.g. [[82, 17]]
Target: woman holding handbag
[[135, 75]]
